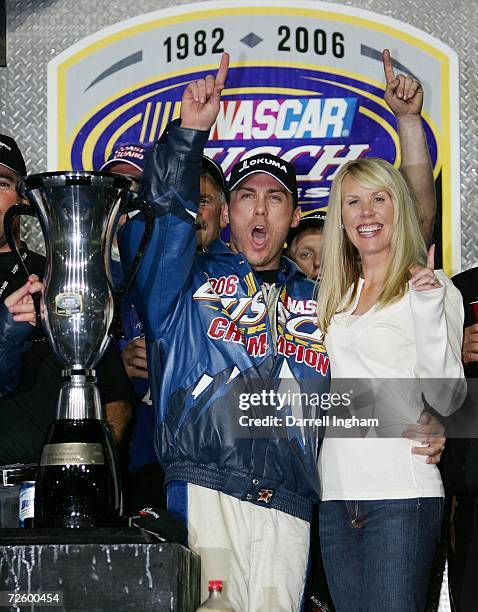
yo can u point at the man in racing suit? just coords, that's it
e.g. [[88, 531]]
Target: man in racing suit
[[220, 322]]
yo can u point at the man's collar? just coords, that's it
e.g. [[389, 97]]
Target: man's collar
[[217, 247], [287, 267]]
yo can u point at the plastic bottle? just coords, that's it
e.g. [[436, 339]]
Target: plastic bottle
[[26, 504], [216, 600]]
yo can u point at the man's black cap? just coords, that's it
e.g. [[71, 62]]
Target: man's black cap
[[265, 163], [316, 220], [11, 156]]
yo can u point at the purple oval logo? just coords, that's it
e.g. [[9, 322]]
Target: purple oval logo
[[324, 120]]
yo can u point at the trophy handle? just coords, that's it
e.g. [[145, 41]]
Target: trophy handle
[[12, 213], [114, 461], [148, 211]]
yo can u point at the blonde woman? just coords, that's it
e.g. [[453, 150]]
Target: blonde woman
[[386, 315]]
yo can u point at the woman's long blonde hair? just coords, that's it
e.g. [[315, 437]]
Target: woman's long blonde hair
[[341, 265]]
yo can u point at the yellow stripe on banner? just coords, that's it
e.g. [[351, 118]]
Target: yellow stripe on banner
[[145, 122], [154, 124], [305, 213], [264, 90], [444, 147], [165, 120], [177, 111]]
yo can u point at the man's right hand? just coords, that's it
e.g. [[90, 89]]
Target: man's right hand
[[201, 99], [134, 359], [470, 344], [20, 302]]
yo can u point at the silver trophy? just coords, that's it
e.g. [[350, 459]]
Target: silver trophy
[[78, 479]]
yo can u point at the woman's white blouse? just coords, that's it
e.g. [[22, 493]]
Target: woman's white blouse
[[418, 337]]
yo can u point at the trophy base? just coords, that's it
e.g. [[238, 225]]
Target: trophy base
[[78, 481]]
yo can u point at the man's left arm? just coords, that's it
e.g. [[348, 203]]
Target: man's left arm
[[117, 393], [404, 96]]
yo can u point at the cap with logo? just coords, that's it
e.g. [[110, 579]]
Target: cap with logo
[[11, 156], [132, 153], [265, 163], [314, 221]]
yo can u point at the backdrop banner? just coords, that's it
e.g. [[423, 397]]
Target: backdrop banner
[[306, 83]]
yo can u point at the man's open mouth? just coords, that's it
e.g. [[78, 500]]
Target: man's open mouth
[[259, 235]]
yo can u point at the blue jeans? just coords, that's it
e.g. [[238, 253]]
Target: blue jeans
[[378, 554]]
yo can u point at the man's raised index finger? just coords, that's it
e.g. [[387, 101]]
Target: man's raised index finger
[[222, 70], [387, 66]]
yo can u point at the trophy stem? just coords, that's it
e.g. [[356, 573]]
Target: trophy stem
[[79, 396]]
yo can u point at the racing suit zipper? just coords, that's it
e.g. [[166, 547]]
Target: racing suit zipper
[[271, 299]]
